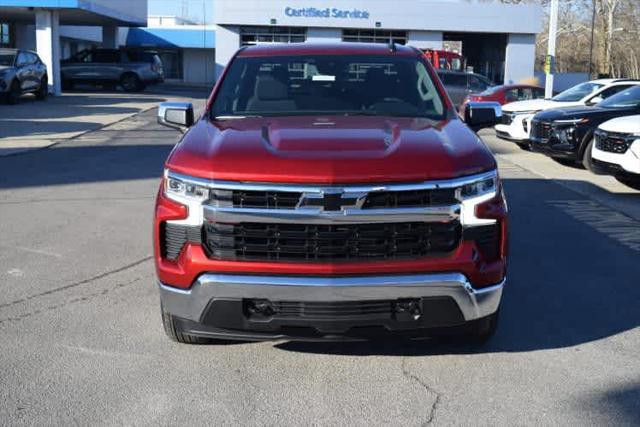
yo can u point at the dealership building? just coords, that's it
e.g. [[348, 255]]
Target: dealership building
[[497, 38]]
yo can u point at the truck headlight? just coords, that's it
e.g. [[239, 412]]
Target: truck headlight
[[478, 188], [184, 189], [474, 194]]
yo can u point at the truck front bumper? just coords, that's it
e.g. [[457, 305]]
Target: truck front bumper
[[252, 307]]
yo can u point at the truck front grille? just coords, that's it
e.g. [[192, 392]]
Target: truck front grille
[[375, 200], [540, 130], [330, 242]]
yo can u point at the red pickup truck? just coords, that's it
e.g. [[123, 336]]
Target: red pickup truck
[[329, 192]]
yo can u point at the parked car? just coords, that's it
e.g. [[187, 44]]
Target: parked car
[[329, 191], [616, 150], [516, 116], [459, 84], [133, 70], [22, 71], [504, 94], [568, 133]]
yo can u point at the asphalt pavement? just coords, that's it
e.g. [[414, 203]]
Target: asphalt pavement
[[82, 341]]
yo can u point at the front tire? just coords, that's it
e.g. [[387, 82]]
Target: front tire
[[175, 333], [131, 83], [14, 94], [43, 90], [483, 329], [587, 160]]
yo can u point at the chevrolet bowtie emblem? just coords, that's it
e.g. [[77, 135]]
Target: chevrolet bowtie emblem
[[332, 201]]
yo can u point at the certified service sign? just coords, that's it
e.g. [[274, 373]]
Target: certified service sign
[[312, 12]]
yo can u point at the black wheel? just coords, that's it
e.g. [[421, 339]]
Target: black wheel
[[483, 329], [131, 83], [629, 181], [526, 146], [174, 332], [43, 90], [587, 160], [13, 97]]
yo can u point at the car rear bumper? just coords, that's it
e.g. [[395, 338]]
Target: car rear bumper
[[220, 305]]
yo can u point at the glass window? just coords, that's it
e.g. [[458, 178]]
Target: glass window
[[261, 35], [476, 84], [22, 60], [106, 56], [538, 93], [5, 34], [577, 92], [613, 90], [452, 79], [7, 59], [370, 85], [33, 59], [628, 98], [374, 36], [511, 95]]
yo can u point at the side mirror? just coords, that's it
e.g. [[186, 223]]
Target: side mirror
[[176, 115], [478, 115]]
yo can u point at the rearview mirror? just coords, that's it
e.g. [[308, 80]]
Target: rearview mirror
[[176, 115], [478, 115]]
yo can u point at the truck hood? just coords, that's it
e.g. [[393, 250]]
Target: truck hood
[[330, 150], [591, 113], [629, 124], [535, 105]]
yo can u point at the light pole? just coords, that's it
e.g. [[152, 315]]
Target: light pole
[[593, 22], [551, 52]]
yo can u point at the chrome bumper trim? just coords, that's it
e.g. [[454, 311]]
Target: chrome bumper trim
[[191, 304], [319, 216], [347, 188]]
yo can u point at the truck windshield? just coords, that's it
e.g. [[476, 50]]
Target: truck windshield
[[6, 59], [628, 98], [329, 85], [576, 93]]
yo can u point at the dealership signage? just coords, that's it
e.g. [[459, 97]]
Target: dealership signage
[[327, 12]]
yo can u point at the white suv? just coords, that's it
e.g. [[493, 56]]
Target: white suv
[[617, 149], [516, 117]]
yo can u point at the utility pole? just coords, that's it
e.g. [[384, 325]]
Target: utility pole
[[593, 24], [550, 63]]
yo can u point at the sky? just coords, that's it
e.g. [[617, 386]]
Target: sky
[[191, 9]]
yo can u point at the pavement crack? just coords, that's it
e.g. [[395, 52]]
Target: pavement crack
[[70, 301], [434, 406], [76, 284]]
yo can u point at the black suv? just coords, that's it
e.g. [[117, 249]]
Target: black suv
[[131, 69]]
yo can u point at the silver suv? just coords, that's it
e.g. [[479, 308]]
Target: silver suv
[[22, 71], [131, 69]]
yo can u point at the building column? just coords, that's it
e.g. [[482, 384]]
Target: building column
[[519, 58], [425, 39], [48, 46], [227, 43], [110, 37]]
